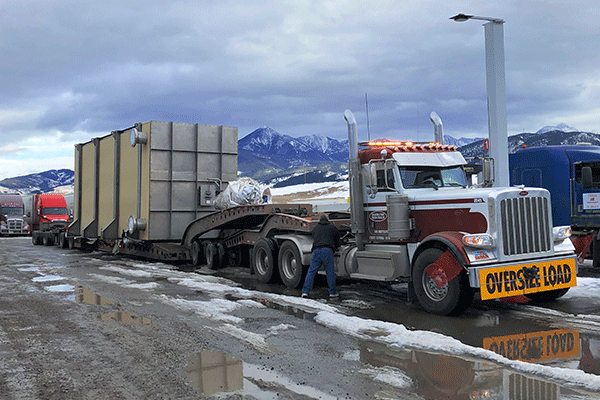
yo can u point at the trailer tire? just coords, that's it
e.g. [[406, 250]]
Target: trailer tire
[[62, 240], [35, 239], [263, 259], [47, 240], [291, 269], [451, 299], [197, 253], [71, 243], [214, 254]]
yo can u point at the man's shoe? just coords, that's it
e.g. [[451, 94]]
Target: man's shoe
[[334, 296], [304, 295]]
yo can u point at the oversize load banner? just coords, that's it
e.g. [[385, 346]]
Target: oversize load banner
[[535, 346], [527, 278]]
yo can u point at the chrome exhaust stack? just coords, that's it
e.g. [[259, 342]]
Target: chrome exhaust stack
[[355, 180], [438, 129]]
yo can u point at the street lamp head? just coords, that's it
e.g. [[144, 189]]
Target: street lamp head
[[461, 17], [466, 17]]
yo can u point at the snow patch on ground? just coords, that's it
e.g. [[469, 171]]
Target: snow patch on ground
[[389, 375]]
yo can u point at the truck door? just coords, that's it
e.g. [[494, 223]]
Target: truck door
[[586, 202], [531, 177]]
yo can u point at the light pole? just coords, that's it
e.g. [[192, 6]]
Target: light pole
[[496, 94]]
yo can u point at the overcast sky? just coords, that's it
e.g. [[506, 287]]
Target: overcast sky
[[74, 70]]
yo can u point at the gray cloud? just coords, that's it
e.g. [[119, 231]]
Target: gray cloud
[[82, 67]]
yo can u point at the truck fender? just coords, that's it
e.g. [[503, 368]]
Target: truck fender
[[448, 240], [303, 243], [452, 261]]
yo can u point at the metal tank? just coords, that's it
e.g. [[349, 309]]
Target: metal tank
[[151, 180]]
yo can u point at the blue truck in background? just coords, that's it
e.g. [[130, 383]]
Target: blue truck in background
[[571, 173]]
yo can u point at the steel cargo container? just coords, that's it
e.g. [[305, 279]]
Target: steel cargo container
[[150, 180]]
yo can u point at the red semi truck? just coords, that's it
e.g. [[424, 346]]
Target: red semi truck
[[49, 217], [12, 221]]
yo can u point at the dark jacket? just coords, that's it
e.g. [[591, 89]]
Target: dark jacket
[[325, 234]]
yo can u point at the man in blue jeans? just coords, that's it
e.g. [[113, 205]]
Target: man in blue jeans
[[326, 240]]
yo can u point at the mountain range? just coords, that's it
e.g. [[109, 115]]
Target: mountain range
[[281, 160]]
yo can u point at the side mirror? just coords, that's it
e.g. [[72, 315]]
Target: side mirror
[[586, 177]]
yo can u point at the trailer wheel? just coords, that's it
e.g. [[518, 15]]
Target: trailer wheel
[[263, 259], [62, 240], [47, 240], [291, 269], [71, 243], [550, 295], [214, 254], [197, 253], [35, 239], [451, 299]]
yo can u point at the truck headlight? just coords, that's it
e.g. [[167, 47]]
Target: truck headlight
[[478, 240], [561, 233]]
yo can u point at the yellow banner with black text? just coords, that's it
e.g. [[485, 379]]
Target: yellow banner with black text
[[521, 279]]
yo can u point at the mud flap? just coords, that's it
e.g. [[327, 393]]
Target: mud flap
[[444, 269]]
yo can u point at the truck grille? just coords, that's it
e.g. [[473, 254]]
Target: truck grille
[[523, 388], [15, 225], [525, 225]]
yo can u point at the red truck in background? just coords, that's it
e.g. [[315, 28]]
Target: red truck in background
[[49, 218], [12, 221]]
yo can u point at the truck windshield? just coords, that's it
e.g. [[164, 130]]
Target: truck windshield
[[55, 211], [13, 210], [427, 177]]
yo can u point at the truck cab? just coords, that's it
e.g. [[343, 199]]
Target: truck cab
[[415, 219], [572, 175], [12, 217]]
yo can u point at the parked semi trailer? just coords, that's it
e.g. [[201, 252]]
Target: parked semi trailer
[[413, 219], [572, 175], [48, 217], [12, 215]]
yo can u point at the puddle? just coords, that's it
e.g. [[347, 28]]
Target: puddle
[[214, 372], [48, 278], [85, 295], [437, 376], [126, 317], [59, 288], [31, 268]]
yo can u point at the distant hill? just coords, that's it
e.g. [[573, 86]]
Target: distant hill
[[42, 182], [549, 138], [281, 160]]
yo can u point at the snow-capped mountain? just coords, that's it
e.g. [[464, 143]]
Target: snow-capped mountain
[[551, 138], [560, 127], [266, 154], [42, 182], [449, 140]]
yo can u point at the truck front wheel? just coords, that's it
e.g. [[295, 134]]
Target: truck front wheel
[[263, 259], [451, 299], [291, 269]]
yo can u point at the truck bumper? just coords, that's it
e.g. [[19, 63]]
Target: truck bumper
[[505, 280]]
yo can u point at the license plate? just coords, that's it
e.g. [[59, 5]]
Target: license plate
[[521, 279]]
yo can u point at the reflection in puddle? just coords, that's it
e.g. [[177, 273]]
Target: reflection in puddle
[[437, 376], [59, 288], [536, 346], [212, 372], [126, 317], [85, 295], [48, 278]]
